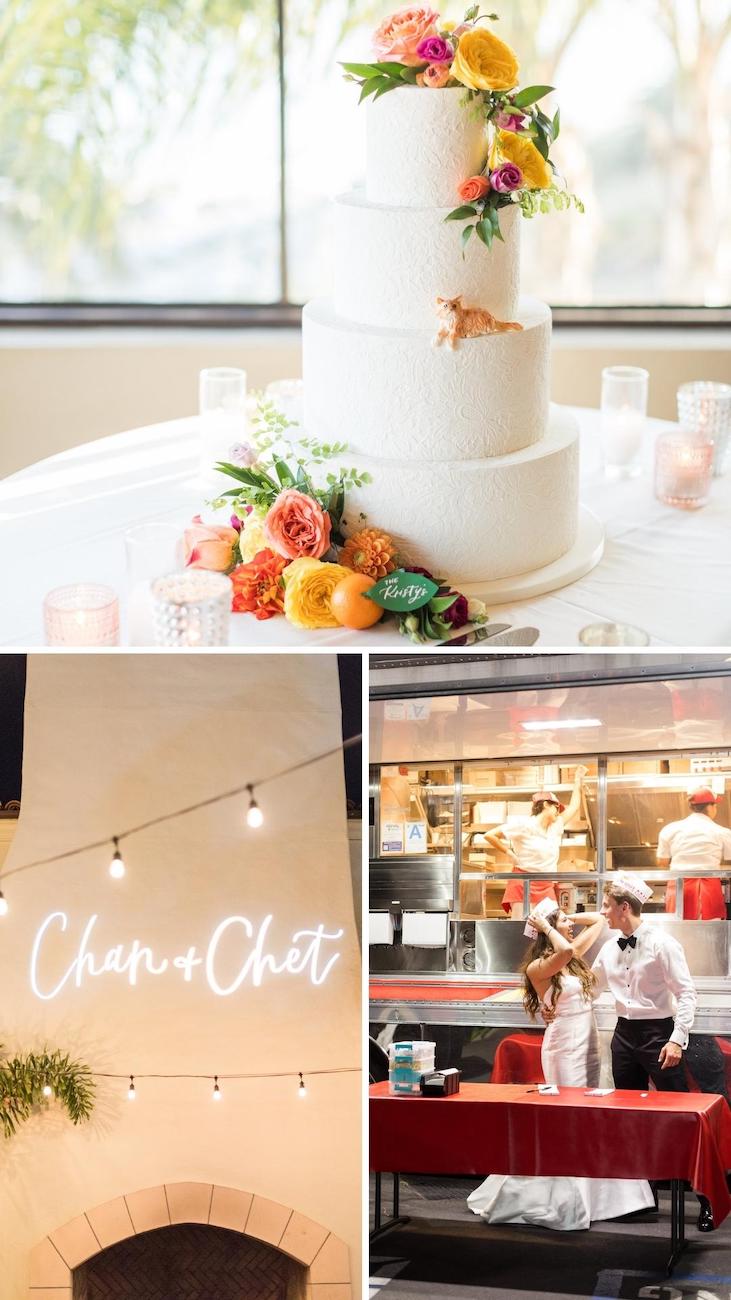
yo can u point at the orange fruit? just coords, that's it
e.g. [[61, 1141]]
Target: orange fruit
[[350, 607]]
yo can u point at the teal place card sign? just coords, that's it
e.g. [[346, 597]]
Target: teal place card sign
[[402, 591]]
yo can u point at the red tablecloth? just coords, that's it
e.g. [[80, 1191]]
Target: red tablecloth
[[508, 1129]]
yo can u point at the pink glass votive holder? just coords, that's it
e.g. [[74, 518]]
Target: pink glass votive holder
[[83, 614], [683, 469]]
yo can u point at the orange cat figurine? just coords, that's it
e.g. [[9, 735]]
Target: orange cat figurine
[[467, 322]]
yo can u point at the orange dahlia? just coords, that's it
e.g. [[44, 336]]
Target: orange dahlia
[[258, 586], [369, 551]]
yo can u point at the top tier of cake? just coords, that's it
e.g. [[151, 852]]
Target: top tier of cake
[[421, 144]]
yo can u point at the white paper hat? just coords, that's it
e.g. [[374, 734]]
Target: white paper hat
[[632, 884], [544, 908]]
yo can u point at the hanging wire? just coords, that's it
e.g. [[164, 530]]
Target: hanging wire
[[247, 788]]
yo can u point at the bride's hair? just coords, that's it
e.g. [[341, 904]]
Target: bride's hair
[[542, 947]]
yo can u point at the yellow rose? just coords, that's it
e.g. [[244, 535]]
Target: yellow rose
[[309, 585], [484, 62], [252, 538], [521, 151]]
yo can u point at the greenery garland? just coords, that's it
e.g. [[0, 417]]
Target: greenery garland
[[25, 1081]]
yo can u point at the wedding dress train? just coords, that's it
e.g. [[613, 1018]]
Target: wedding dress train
[[570, 1058]]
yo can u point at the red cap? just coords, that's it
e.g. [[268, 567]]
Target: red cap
[[704, 796], [545, 796]]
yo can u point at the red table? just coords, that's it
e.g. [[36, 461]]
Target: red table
[[511, 1129]]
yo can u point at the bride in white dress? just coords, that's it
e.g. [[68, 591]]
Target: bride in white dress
[[561, 986]]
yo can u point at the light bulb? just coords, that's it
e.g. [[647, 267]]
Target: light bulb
[[47, 1090], [3, 904], [216, 1089], [301, 1090], [254, 816], [131, 1090], [116, 866]]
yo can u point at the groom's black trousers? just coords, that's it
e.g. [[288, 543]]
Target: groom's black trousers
[[635, 1048]]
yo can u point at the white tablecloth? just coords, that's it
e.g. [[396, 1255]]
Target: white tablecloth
[[63, 520]]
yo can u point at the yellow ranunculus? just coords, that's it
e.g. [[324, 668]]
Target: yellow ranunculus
[[309, 585], [252, 538], [484, 62], [521, 151]]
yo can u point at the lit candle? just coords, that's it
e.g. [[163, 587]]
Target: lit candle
[[191, 608], [83, 614], [683, 469]]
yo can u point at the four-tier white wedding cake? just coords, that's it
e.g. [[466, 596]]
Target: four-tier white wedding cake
[[474, 474]]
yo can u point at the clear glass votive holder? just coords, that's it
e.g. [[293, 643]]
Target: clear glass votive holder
[[613, 634], [623, 419], [151, 550], [222, 410], [288, 395], [191, 609], [683, 469], [705, 407], [82, 614]]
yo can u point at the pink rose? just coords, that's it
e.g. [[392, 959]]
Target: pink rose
[[296, 526], [209, 546], [398, 38], [433, 77], [475, 187], [506, 177], [435, 49], [510, 121]]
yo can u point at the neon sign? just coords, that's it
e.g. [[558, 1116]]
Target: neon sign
[[309, 954]]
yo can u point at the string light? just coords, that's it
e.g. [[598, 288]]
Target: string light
[[254, 816], [116, 866], [131, 1094], [47, 1090], [301, 1091], [216, 1089]]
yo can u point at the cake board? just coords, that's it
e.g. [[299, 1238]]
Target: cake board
[[584, 555]]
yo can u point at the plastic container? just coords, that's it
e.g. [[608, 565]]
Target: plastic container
[[407, 1062]]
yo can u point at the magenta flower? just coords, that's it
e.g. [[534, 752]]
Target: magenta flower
[[510, 121], [458, 613], [236, 523], [434, 49], [506, 177]]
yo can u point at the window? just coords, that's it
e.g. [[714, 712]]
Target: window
[[141, 160]]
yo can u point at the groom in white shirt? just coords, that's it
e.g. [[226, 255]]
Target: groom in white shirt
[[647, 974]]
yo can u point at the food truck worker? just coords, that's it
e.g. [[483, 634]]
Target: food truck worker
[[533, 844], [696, 842]]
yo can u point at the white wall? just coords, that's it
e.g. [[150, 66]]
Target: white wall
[[110, 741], [64, 387]]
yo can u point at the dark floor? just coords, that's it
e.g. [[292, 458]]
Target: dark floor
[[446, 1252]]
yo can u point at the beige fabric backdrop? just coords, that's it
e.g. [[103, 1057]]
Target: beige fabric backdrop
[[110, 741]]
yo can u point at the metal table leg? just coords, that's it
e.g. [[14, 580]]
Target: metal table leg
[[396, 1220], [678, 1240]]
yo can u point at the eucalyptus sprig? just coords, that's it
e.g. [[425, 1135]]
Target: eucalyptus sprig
[[23, 1079]]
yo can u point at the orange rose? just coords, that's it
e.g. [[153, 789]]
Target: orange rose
[[296, 525], [475, 187], [398, 38], [209, 546], [434, 77], [258, 588]]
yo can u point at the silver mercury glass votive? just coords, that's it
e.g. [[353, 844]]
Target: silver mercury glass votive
[[191, 609], [705, 407]]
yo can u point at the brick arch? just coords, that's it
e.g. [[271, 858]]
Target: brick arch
[[325, 1256]]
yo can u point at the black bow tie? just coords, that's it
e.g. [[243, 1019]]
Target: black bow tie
[[632, 941]]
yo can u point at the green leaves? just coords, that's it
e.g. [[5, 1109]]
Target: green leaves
[[489, 227], [529, 96], [467, 234], [461, 214], [23, 1078], [377, 78]]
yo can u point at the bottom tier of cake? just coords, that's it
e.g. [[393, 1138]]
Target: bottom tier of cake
[[474, 521]]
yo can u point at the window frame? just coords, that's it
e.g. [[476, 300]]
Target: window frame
[[283, 314]]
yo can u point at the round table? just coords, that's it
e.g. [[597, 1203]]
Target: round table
[[63, 520]]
